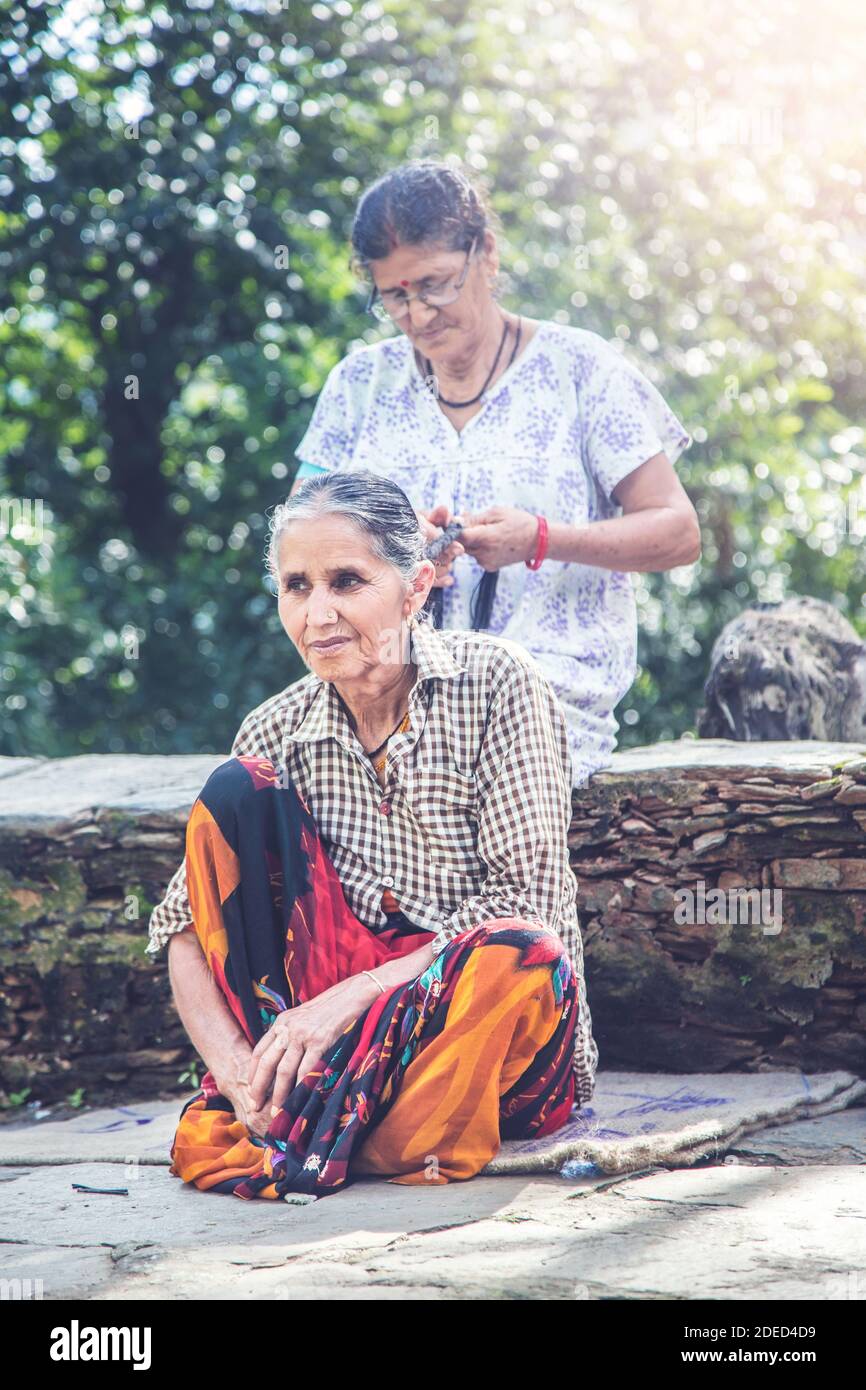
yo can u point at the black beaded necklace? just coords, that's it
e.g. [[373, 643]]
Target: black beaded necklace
[[459, 404], [371, 753]]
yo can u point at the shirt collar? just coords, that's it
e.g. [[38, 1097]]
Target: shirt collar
[[326, 717]]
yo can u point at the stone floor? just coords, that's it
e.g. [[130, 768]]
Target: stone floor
[[781, 1216]]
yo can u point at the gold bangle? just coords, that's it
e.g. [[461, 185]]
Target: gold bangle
[[375, 981]]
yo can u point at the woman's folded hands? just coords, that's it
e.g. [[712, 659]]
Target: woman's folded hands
[[258, 1081], [299, 1038]]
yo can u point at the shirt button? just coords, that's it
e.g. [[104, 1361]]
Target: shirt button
[[385, 808], [388, 882]]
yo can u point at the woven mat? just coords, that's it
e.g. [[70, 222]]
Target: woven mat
[[635, 1120]]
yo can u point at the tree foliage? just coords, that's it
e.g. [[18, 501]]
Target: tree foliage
[[177, 185]]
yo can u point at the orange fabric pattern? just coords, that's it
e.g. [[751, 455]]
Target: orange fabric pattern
[[426, 1083]]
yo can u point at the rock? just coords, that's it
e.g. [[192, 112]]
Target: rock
[[830, 874], [851, 796], [712, 841], [791, 670]]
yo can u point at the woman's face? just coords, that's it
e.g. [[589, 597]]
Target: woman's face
[[332, 585], [458, 325]]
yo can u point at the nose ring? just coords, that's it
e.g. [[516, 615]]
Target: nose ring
[[331, 615]]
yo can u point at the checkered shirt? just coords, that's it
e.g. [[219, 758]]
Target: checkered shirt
[[473, 821]]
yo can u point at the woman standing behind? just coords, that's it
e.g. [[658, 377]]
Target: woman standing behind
[[533, 433]]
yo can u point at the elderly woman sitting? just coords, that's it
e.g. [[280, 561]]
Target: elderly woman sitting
[[405, 1028]]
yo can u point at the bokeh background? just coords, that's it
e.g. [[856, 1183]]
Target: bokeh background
[[177, 184]]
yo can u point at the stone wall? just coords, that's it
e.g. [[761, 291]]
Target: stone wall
[[745, 992], [87, 846]]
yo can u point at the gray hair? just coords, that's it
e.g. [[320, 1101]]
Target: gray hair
[[377, 507]]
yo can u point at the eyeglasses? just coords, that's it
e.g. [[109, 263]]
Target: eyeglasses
[[394, 304]]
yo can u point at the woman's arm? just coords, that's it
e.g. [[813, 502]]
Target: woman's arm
[[259, 736], [402, 968], [213, 1029], [657, 531], [204, 1012], [217, 1037]]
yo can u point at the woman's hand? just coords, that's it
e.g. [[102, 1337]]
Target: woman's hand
[[298, 1039], [433, 523], [257, 1119], [233, 1083], [500, 536]]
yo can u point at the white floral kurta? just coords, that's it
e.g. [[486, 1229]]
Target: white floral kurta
[[566, 422]]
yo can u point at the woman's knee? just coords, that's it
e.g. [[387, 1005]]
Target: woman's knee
[[230, 778], [540, 947], [534, 946], [241, 777], [531, 932]]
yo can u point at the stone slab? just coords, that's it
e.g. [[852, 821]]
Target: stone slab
[[729, 1232], [54, 790], [838, 1138], [42, 791], [715, 754]]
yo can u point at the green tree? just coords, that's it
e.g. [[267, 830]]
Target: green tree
[[176, 190]]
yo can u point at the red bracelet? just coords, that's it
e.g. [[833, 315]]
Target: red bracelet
[[541, 547]]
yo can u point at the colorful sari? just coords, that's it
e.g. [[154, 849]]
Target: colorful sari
[[425, 1084]]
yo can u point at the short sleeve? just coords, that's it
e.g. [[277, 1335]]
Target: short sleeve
[[310, 470], [329, 438], [626, 421]]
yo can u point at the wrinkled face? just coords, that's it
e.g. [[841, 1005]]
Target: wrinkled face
[[459, 324], [331, 585]]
